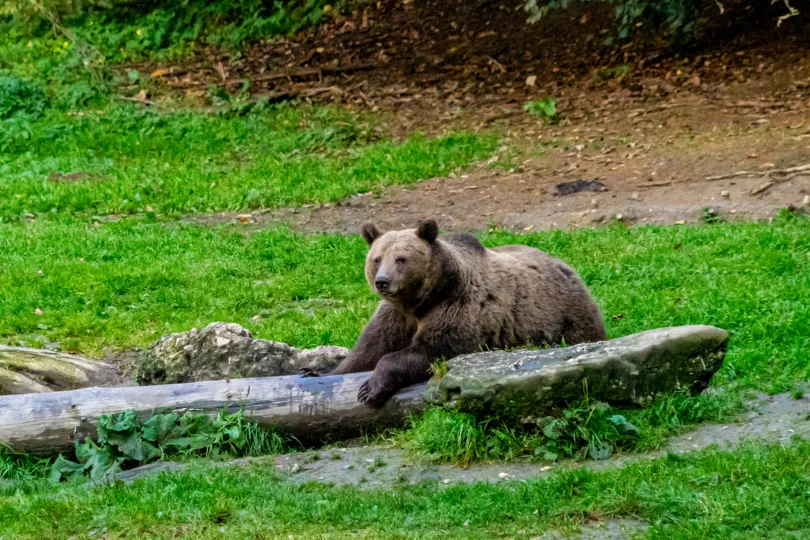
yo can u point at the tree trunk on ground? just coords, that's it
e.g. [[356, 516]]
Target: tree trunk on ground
[[28, 371], [311, 409], [520, 386]]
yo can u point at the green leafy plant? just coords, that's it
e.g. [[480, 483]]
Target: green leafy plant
[[21, 97], [710, 216], [607, 74], [545, 108], [124, 442]]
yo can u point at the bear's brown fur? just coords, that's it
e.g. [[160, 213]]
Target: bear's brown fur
[[447, 295]]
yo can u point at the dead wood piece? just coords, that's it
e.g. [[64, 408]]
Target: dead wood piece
[[304, 73], [762, 188], [310, 409], [790, 171]]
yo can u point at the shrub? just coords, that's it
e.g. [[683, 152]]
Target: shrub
[[21, 97]]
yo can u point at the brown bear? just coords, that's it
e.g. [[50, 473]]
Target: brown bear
[[447, 295]]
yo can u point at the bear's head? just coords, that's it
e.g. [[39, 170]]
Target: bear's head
[[400, 264]]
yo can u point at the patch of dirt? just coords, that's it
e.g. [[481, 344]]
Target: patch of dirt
[[126, 363], [650, 122], [771, 418], [774, 419], [660, 190]]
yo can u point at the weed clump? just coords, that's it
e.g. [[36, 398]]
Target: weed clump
[[123, 442], [588, 429], [19, 97]]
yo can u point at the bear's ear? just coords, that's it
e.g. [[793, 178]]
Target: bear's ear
[[427, 230], [370, 232]]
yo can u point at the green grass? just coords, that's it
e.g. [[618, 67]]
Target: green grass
[[584, 430], [754, 492], [124, 284], [20, 468], [131, 161]]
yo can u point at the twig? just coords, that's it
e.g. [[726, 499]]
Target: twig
[[137, 100], [659, 108], [762, 188], [788, 171], [655, 184], [322, 90], [88, 52], [306, 72]]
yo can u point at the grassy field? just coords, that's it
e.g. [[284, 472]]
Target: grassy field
[[93, 257], [757, 491], [91, 283], [124, 284], [129, 161]]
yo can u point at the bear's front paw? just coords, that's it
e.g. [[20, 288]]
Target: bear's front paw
[[373, 394], [308, 372]]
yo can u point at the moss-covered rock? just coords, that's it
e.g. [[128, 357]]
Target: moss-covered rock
[[629, 370]]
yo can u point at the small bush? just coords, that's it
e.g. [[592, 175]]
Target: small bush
[[21, 97]]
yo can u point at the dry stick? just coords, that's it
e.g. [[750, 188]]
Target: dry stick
[[762, 188], [788, 171], [87, 51], [306, 72], [655, 184], [137, 100]]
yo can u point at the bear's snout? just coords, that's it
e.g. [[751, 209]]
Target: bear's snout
[[383, 284]]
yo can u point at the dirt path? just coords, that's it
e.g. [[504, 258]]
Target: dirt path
[[772, 419], [775, 419], [651, 175]]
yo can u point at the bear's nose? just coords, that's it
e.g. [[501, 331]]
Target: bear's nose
[[382, 284]]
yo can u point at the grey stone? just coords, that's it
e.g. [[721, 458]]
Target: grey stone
[[32, 371], [227, 350], [629, 370]]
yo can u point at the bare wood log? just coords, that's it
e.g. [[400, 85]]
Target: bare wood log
[[311, 409], [26, 371]]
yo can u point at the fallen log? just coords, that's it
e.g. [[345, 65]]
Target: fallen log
[[517, 386], [28, 371], [311, 409]]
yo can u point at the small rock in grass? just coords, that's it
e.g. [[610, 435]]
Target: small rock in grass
[[227, 350]]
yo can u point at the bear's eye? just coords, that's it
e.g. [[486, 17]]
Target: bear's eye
[[377, 260], [400, 260]]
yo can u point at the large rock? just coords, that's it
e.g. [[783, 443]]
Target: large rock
[[226, 350], [30, 371], [629, 370]]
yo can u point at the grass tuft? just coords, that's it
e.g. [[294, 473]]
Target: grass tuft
[[588, 429]]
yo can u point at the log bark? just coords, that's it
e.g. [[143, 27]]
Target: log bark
[[311, 409], [27, 371]]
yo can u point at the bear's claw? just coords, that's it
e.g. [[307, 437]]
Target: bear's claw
[[373, 397], [308, 372]]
